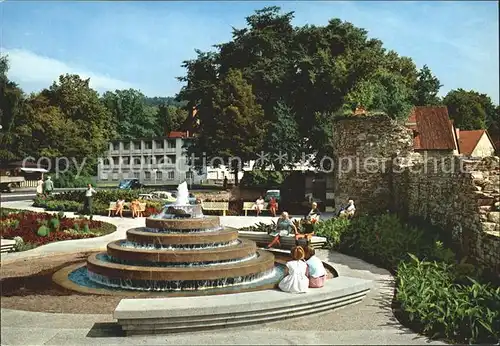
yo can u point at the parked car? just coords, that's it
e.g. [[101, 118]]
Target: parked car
[[132, 183], [272, 193]]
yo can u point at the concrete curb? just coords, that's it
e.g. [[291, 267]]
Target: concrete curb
[[167, 315]]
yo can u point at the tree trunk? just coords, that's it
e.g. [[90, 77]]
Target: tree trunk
[[236, 182]]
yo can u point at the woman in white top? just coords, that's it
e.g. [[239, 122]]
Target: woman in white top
[[296, 281], [316, 269], [259, 205], [39, 187]]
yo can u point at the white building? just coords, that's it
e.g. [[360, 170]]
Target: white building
[[154, 161]]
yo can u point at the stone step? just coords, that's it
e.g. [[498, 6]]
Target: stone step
[[242, 318], [167, 315]]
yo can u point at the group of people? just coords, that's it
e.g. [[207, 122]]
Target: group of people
[[285, 226], [260, 204], [304, 271], [135, 208]]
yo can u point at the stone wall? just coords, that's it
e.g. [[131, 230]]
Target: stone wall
[[452, 192], [363, 150]]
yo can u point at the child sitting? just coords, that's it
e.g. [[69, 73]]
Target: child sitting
[[316, 270], [296, 281]]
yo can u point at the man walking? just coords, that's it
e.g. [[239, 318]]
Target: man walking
[[87, 206], [48, 186]]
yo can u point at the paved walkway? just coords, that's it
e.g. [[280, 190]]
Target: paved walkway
[[368, 322]]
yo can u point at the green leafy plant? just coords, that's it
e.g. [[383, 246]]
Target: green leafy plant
[[432, 302], [43, 231], [54, 224]]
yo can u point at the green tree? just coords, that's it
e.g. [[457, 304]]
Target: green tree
[[11, 112], [427, 88], [283, 142], [133, 117], [170, 118], [470, 110], [231, 125]]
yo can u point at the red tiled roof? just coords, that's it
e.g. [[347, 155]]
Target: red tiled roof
[[177, 134], [468, 140], [432, 128]]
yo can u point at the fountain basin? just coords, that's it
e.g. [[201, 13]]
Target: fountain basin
[[205, 222], [141, 235], [241, 249], [263, 262]]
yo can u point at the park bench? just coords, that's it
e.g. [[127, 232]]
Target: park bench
[[216, 206], [249, 206], [126, 208]]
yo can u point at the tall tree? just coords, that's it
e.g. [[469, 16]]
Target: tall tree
[[170, 118], [470, 110], [283, 142], [133, 118], [427, 88], [11, 112], [231, 126]]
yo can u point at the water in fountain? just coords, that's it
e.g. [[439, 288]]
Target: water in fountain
[[180, 249], [182, 195], [181, 208]]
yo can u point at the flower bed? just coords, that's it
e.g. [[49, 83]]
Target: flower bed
[[42, 228]]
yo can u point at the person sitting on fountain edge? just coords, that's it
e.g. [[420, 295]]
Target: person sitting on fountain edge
[[284, 227], [296, 280]]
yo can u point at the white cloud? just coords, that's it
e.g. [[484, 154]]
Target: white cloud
[[34, 72]]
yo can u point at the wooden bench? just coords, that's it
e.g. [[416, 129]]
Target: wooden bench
[[126, 208], [216, 206], [249, 206]]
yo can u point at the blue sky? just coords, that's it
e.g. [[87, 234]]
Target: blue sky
[[142, 44]]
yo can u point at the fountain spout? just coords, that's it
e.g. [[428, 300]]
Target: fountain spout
[[182, 194]]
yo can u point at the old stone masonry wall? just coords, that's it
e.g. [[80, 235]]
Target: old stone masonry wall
[[457, 194]]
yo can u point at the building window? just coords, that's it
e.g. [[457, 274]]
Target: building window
[[171, 159], [126, 146], [159, 175], [189, 175], [115, 176], [160, 159], [136, 146], [136, 160], [148, 145], [170, 175], [147, 175], [126, 160], [148, 160], [137, 175], [116, 160], [159, 144], [171, 144]]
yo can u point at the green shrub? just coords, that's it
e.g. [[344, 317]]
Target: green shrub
[[332, 230], [430, 299], [43, 231], [385, 240], [260, 227], [60, 214], [76, 226], [54, 224], [85, 228]]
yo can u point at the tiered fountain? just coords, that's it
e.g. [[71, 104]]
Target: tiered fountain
[[178, 250]]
